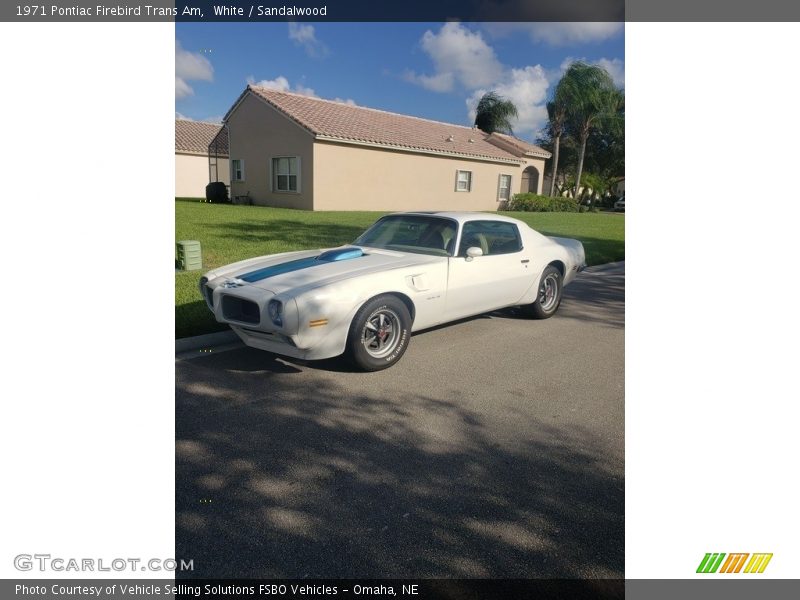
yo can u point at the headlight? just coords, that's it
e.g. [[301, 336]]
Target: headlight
[[275, 310]]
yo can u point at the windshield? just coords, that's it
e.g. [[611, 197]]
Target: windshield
[[412, 233]]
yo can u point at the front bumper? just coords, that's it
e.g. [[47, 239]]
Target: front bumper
[[328, 346], [244, 309], [270, 342]]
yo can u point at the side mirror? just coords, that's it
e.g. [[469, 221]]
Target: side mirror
[[473, 251]]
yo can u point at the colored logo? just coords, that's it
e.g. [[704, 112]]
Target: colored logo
[[713, 563]]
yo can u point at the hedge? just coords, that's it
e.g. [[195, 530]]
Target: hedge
[[529, 202]]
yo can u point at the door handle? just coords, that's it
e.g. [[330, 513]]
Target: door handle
[[525, 260]]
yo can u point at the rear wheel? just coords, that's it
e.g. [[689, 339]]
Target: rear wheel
[[379, 333], [548, 297]]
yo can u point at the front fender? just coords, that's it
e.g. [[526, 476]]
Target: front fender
[[338, 310]]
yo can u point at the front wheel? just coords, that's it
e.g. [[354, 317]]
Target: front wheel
[[548, 297], [379, 333]]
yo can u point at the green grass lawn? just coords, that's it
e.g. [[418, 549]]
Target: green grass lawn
[[229, 233]]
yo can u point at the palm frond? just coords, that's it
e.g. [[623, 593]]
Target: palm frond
[[495, 113]]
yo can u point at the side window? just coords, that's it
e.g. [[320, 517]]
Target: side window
[[463, 181], [493, 237], [237, 169], [286, 174], [504, 188]]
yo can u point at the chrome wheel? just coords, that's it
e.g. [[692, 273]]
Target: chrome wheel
[[548, 292], [381, 333]]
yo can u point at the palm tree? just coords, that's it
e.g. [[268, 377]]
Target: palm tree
[[592, 101], [494, 113], [557, 115]]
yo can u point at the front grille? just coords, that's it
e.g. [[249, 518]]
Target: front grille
[[238, 309]]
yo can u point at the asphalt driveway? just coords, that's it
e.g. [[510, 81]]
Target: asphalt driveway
[[494, 448]]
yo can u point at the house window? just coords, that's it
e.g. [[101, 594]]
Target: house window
[[504, 188], [463, 181], [237, 170], [286, 174]]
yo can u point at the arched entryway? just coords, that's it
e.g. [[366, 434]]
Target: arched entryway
[[530, 180]]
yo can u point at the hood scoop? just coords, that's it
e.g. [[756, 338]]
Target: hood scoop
[[344, 253], [327, 257]]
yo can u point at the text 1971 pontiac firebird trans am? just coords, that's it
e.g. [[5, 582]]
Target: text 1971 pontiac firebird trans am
[[407, 272]]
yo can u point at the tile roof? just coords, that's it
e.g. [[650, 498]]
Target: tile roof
[[521, 145], [194, 137], [358, 124]]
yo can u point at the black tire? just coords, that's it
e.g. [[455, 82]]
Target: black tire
[[548, 296], [389, 318]]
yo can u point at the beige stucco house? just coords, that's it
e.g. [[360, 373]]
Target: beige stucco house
[[201, 156], [300, 152]]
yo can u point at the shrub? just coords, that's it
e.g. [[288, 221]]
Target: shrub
[[217, 192], [535, 203]]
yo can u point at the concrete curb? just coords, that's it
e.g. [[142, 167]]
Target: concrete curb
[[612, 266], [205, 341]]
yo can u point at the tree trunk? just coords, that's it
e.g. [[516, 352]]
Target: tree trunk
[[556, 147], [580, 165]]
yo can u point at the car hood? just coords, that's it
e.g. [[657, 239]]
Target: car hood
[[313, 268]]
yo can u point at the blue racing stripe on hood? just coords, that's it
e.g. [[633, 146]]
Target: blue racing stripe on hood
[[302, 263]]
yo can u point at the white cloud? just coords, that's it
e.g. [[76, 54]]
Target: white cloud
[[299, 88], [215, 119], [527, 89], [305, 36], [281, 84], [558, 34], [564, 34], [458, 55], [614, 66], [441, 82], [182, 89], [190, 66], [462, 57]]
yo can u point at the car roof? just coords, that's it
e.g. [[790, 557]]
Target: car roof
[[464, 216]]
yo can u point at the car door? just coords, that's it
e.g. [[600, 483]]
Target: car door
[[498, 278]]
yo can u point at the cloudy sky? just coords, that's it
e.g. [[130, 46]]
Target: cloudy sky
[[436, 70]]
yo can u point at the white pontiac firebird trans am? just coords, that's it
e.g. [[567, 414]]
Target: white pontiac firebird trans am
[[407, 272]]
